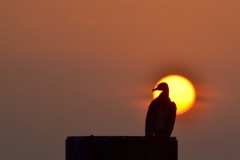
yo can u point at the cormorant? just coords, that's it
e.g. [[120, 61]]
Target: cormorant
[[161, 114]]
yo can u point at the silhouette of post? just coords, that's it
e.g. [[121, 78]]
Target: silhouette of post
[[121, 148]]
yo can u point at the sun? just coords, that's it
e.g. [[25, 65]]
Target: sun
[[181, 91]]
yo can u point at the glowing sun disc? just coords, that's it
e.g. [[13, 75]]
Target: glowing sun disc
[[181, 91]]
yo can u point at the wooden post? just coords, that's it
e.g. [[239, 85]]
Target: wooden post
[[121, 148]]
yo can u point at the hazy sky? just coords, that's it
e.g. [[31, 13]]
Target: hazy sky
[[82, 67]]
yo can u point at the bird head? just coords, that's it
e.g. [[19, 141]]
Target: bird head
[[162, 87]]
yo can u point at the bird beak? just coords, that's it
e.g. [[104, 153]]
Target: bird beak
[[156, 89]]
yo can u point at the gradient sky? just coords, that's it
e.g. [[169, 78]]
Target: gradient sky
[[82, 67]]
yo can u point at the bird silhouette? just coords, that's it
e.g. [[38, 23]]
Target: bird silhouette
[[161, 114]]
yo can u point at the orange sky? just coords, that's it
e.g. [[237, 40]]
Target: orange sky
[[76, 68]]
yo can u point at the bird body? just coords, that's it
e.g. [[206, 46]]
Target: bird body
[[161, 114]]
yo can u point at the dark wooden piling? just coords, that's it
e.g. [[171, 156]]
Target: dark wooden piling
[[121, 148]]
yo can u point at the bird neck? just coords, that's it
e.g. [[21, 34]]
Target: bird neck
[[165, 94]]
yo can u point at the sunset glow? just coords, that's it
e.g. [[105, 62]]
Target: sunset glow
[[181, 91]]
